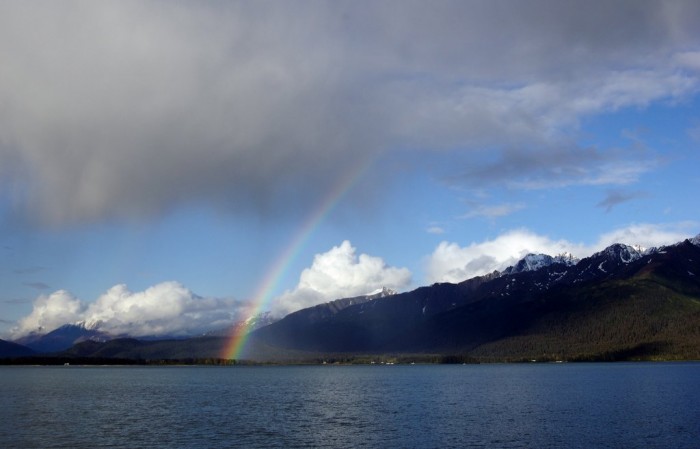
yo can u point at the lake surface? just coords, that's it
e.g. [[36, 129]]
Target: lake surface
[[621, 405]]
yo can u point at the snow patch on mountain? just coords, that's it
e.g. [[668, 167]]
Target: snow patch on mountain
[[381, 293], [259, 320], [567, 259]]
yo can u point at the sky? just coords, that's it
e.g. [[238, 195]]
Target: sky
[[169, 167]]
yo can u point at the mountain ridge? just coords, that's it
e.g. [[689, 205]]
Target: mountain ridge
[[480, 311]]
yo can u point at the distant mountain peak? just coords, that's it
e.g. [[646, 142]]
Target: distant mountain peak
[[620, 252], [534, 262], [530, 262], [641, 250], [566, 258]]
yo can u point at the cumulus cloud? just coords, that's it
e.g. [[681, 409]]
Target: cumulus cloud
[[167, 308], [49, 312], [451, 262], [340, 273], [129, 109]]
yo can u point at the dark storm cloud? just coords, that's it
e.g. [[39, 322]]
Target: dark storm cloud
[[129, 109]]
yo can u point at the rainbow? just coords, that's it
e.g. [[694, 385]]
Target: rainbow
[[263, 294]]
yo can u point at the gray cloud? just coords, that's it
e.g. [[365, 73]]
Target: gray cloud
[[548, 167], [37, 285], [694, 131], [129, 109], [29, 270], [17, 301], [493, 210], [614, 198]]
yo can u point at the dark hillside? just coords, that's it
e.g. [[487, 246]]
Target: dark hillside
[[9, 349]]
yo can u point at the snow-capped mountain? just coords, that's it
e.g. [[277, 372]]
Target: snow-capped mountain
[[534, 262], [619, 252], [63, 337], [445, 316]]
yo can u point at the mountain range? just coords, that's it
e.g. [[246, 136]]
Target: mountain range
[[615, 302], [618, 304]]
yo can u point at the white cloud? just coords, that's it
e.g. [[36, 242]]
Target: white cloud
[[49, 312], [167, 308], [340, 273], [451, 262], [437, 230], [648, 235]]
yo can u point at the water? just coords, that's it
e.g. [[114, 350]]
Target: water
[[642, 405]]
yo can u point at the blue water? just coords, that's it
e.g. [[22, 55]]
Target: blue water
[[635, 405]]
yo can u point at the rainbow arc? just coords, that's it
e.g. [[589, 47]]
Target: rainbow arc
[[260, 301]]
